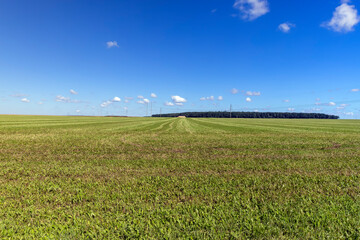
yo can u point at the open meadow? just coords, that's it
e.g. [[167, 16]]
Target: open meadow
[[171, 178]]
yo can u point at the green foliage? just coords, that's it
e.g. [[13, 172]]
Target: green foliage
[[289, 115], [169, 178]]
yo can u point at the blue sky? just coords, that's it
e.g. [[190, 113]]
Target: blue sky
[[87, 57]]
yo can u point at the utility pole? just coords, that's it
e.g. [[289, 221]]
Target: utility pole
[[230, 110], [151, 108]]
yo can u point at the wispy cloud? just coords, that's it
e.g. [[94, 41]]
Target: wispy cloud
[[144, 101], [60, 98], [214, 11], [345, 18], [211, 98], [169, 104], [25, 100], [291, 109], [220, 98], [111, 44], [106, 104], [234, 91], [153, 95], [72, 91], [19, 95], [286, 27], [355, 90], [286, 100], [325, 104], [250, 93], [252, 9], [140, 97], [109, 102]]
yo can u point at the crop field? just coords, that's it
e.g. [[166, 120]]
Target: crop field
[[171, 178]]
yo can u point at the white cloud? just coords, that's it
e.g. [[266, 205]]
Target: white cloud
[[141, 102], [342, 106], [211, 98], [60, 98], [252, 9], [169, 104], [355, 90], [25, 100], [78, 111], [140, 97], [116, 99], [249, 93], [126, 101], [248, 99], [349, 113], [72, 91], [291, 109], [344, 19], [19, 95], [325, 104], [105, 104], [109, 102], [111, 44], [220, 98], [129, 98], [286, 27], [234, 91], [146, 100], [178, 99], [153, 95]]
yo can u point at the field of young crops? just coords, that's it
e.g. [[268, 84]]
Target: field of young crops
[[155, 178]]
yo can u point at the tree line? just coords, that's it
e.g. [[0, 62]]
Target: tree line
[[292, 115]]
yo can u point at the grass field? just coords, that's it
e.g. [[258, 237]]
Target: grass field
[[96, 178]]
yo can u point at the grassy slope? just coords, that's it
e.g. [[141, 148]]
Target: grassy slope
[[83, 177]]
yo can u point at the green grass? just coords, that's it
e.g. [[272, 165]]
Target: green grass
[[109, 178]]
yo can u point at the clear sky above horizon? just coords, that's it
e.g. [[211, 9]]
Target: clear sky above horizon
[[110, 57]]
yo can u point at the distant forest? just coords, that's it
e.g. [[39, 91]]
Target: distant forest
[[249, 115]]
